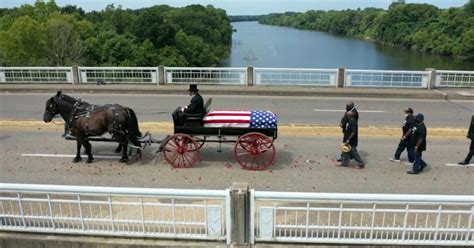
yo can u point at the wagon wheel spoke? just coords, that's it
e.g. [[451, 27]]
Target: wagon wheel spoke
[[254, 151], [181, 151]]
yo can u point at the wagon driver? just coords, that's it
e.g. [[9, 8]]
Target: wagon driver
[[196, 106]]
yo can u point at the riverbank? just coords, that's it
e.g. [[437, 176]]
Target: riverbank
[[261, 45], [422, 27]]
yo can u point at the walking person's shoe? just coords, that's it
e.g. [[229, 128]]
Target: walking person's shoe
[[394, 160], [463, 163], [339, 160], [412, 172], [341, 164], [359, 166]]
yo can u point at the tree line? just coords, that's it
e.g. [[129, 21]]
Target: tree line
[[45, 34], [421, 27]]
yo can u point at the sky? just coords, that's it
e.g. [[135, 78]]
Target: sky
[[241, 7]]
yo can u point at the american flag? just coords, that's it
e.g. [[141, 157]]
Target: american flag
[[243, 119]]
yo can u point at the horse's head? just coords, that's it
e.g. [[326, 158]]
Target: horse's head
[[52, 108]]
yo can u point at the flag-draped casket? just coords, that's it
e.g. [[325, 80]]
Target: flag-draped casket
[[240, 119]]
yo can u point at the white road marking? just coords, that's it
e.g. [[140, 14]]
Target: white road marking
[[66, 156], [459, 165], [341, 110], [465, 93]]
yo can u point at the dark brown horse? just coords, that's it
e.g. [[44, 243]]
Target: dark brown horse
[[95, 120]]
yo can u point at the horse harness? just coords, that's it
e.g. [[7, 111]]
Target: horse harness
[[78, 112]]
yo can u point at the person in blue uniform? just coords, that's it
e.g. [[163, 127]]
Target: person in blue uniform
[[470, 135], [405, 139], [418, 141], [196, 106]]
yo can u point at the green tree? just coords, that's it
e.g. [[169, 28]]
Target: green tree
[[24, 43]]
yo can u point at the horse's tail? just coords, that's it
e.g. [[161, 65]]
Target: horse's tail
[[132, 125]]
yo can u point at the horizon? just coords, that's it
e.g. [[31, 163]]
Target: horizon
[[242, 7]]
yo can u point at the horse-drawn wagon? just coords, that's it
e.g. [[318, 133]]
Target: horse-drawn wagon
[[252, 134]]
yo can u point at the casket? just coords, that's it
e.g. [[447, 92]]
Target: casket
[[240, 119]]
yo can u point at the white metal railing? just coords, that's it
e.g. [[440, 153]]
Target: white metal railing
[[386, 79], [454, 78], [205, 75], [363, 218], [36, 75], [94, 75], [138, 212], [295, 76]]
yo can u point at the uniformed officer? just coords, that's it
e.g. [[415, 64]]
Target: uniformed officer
[[470, 135], [405, 139], [196, 106], [418, 141]]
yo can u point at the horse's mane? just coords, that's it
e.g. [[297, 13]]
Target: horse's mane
[[73, 100]]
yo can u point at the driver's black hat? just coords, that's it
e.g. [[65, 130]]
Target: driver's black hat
[[193, 88]]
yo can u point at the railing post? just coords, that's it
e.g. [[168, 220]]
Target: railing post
[[240, 214], [250, 79], [161, 75], [75, 75], [341, 77], [431, 78]]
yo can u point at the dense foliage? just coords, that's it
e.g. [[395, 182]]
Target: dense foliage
[[417, 26], [46, 34]]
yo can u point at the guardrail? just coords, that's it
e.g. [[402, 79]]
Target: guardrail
[[205, 75], [249, 76], [36, 75], [147, 75], [387, 79], [295, 76], [238, 215], [454, 79], [137, 212], [363, 218]]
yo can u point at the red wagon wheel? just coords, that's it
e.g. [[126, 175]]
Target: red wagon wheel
[[181, 151], [254, 151]]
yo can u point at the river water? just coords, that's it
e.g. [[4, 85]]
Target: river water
[[259, 45]]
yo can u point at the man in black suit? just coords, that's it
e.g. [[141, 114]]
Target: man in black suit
[[350, 107], [470, 135], [195, 107]]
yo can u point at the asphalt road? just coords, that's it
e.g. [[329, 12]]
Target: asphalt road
[[302, 164], [290, 109]]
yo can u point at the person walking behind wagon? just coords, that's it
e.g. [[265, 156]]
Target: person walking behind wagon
[[405, 139], [470, 135], [351, 138], [344, 120], [418, 141]]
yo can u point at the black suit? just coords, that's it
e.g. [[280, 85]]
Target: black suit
[[195, 107], [470, 135]]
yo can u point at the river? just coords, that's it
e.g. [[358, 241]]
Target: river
[[258, 45]]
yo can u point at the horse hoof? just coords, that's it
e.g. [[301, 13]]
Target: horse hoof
[[89, 161], [76, 160], [123, 160]]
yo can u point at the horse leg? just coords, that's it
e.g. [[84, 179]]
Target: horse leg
[[124, 158], [118, 149], [78, 153], [88, 147]]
